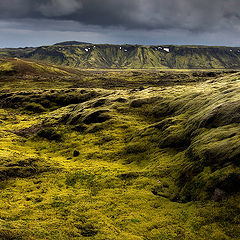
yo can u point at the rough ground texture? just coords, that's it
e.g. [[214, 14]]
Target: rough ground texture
[[149, 162]]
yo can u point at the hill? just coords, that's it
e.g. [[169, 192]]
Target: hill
[[23, 67], [82, 55], [21, 73]]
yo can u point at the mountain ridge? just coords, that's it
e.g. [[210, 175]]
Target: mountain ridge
[[88, 55], [70, 43]]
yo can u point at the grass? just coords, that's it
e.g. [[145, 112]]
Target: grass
[[155, 163]]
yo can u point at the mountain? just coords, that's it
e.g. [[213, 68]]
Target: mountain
[[71, 43], [84, 55]]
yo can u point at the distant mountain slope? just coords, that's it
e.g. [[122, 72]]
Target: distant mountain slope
[[77, 54], [69, 43]]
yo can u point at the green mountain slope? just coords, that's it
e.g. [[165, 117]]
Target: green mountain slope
[[78, 54], [23, 73], [16, 66]]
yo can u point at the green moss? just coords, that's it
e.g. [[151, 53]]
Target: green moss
[[84, 178], [135, 148], [150, 172], [49, 134], [33, 107]]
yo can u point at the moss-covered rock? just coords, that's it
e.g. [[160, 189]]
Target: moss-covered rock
[[34, 107], [49, 133]]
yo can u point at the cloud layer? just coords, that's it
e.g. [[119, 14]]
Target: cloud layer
[[193, 15], [176, 18]]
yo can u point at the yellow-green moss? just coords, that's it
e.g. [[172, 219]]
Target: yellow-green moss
[[136, 173]]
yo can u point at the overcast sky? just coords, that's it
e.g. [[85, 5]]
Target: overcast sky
[[43, 22]]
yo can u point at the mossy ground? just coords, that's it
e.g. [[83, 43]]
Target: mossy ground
[[148, 165]]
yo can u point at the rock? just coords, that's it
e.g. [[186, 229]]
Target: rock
[[95, 128], [87, 230], [80, 128], [49, 133], [138, 103], [76, 153], [121, 100], [97, 117], [99, 102], [141, 101], [218, 195], [133, 90], [211, 74]]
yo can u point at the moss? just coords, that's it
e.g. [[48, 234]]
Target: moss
[[49, 134], [22, 168], [98, 127], [34, 107], [134, 148], [82, 177], [224, 114], [135, 177], [99, 102], [46, 103], [10, 234], [97, 117], [87, 230], [80, 128]]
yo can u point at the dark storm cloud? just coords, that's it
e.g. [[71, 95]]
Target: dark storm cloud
[[191, 15]]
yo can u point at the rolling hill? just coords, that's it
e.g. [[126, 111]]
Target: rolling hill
[[87, 55]]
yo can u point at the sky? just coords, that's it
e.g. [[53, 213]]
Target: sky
[[149, 22]]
